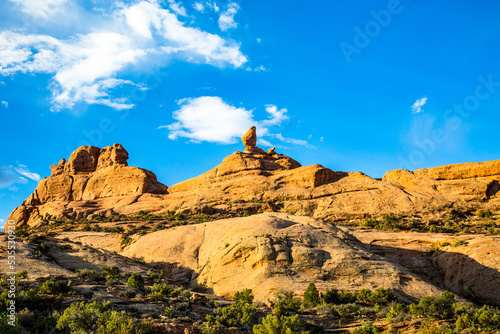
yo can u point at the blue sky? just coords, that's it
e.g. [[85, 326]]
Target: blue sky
[[353, 85]]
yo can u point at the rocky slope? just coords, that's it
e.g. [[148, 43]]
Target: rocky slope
[[277, 249]]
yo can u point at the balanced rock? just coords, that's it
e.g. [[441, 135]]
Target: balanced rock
[[250, 138]]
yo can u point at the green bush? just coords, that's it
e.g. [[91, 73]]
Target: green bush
[[96, 317], [273, 324], [160, 291], [311, 296], [87, 274], [382, 296], [484, 214], [136, 281], [117, 229], [366, 328], [112, 273], [485, 319], [346, 310], [435, 307], [236, 315], [284, 302], [50, 287], [245, 296], [330, 296]]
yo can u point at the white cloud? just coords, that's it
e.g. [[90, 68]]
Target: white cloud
[[198, 6], [226, 19], [209, 118], [321, 139], [291, 140], [40, 9], [276, 116], [259, 40], [23, 170], [177, 8], [86, 67], [10, 175], [417, 106], [5, 104], [213, 6]]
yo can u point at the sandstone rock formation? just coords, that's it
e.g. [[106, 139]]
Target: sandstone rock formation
[[268, 252], [90, 173], [98, 182]]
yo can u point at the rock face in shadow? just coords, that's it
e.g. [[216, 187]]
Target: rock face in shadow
[[90, 173], [268, 252]]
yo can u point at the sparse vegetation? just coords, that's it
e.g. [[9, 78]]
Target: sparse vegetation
[[136, 281]]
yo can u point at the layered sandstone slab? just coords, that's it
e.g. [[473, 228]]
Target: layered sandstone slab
[[268, 252]]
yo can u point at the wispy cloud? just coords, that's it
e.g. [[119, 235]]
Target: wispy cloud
[[5, 103], [199, 7], [10, 175], [211, 119], [177, 8], [291, 140], [226, 19], [417, 106], [40, 9], [86, 67]]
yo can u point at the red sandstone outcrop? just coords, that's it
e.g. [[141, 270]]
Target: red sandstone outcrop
[[90, 173], [99, 182]]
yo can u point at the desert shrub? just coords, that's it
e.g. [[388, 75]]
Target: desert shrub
[[364, 296], [236, 315], [22, 274], [485, 319], [27, 298], [5, 327], [382, 296], [245, 296], [87, 274], [126, 241], [198, 287], [435, 307], [311, 296], [331, 296], [284, 302], [136, 281], [370, 223], [86, 228], [433, 229], [129, 294], [160, 291], [112, 273], [366, 328], [43, 247], [46, 324], [51, 286], [96, 317], [117, 229], [397, 313], [346, 310], [484, 214], [273, 324]]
